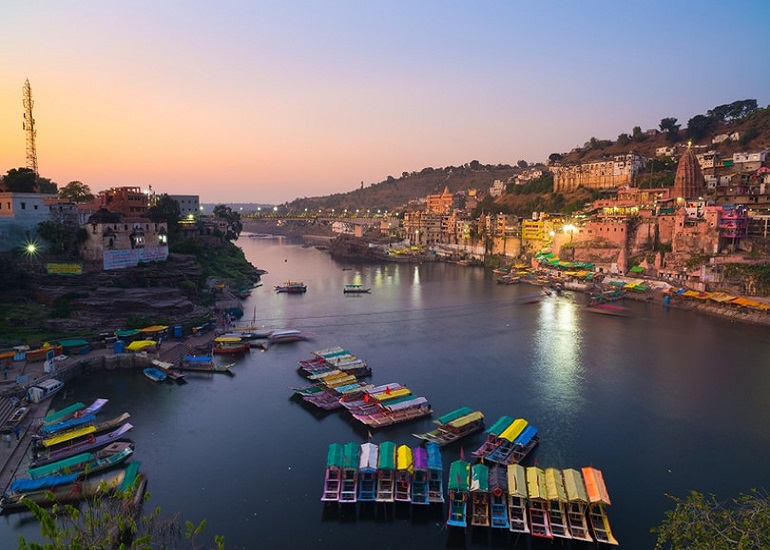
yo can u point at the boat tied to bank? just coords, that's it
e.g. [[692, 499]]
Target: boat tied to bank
[[454, 425]]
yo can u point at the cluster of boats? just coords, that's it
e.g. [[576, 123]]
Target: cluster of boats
[[383, 473], [75, 456], [508, 441]]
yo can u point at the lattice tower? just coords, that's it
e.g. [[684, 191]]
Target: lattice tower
[[29, 128]]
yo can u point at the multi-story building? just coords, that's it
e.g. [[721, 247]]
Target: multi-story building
[[440, 203], [116, 241], [188, 204], [616, 172], [20, 213], [129, 201]]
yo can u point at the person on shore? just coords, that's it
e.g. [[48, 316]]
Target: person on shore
[[16, 432]]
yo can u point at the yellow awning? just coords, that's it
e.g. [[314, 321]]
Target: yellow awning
[[154, 328], [137, 345]]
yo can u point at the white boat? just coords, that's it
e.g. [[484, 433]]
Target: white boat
[[45, 389]]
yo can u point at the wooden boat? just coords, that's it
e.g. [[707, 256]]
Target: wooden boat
[[386, 472], [76, 410], [80, 433], [53, 455], [557, 503], [479, 495], [87, 463], [349, 478], [539, 520], [416, 407], [291, 287], [229, 345], [156, 375], [367, 472], [420, 476], [513, 452], [458, 485], [505, 446], [169, 370], [355, 289], [203, 363], [609, 309], [44, 390], [333, 477], [404, 469], [454, 425], [435, 473], [14, 420], [577, 505], [76, 490], [498, 497], [493, 436], [598, 499], [288, 335], [517, 499]]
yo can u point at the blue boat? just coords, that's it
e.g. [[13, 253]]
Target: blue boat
[[498, 488], [435, 473], [156, 375]]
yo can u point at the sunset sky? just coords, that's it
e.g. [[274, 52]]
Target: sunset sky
[[254, 101]]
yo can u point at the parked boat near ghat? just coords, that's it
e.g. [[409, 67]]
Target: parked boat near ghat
[[435, 473], [598, 499], [537, 492], [98, 441], [203, 363], [454, 425], [111, 455], [511, 445], [386, 472], [518, 522], [356, 289], [367, 472], [291, 287], [479, 495], [458, 485], [404, 469]]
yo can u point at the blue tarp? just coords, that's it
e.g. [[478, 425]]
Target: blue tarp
[[27, 485], [198, 358], [434, 455], [526, 436], [46, 430]]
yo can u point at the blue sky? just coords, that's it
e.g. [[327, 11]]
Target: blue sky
[[269, 101]]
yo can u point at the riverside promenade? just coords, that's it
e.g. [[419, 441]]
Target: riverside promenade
[[13, 450]]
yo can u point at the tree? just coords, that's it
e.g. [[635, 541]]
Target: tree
[[166, 210], [61, 238], [699, 126], [671, 128], [701, 521], [522, 164], [624, 139], [20, 180], [76, 191], [637, 134], [233, 219], [554, 157], [46, 186]]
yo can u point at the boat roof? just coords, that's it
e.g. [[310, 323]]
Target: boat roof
[[480, 477], [54, 416], [386, 459], [368, 459], [527, 435], [127, 332], [73, 343], [26, 485], [198, 358], [407, 404], [576, 488], [597, 491], [555, 484], [392, 394], [499, 426], [404, 459], [536, 486], [154, 328], [420, 456], [350, 454], [434, 455], [334, 456], [458, 475], [463, 421], [47, 469], [381, 388], [72, 422], [513, 431], [136, 345], [397, 400], [129, 475], [517, 480], [228, 339], [498, 477], [453, 415]]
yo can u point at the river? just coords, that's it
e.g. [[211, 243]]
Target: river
[[663, 401]]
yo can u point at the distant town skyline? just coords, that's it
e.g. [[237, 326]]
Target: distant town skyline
[[265, 102]]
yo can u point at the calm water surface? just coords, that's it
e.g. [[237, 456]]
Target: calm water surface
[[662, 402]]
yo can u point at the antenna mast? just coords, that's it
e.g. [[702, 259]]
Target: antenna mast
[[29, 128]]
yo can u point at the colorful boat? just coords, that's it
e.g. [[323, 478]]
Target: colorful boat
[[598, 499], [333, 477], [81, 433], [435, 473], [156, 375], [577, 505], [537, 491], [493, 436], [479, 495], [498, 497], [356, 289], [87, 463], [505, 446], [517, 499], [404, 470], [557, 507], [76, 410], [609, 309], [515, 443], [395, 413], [285, 336], [420, 477], [386, 472], [454, 425], [203, 363], [53, 455], [458, 485], [14, 420], [230, 345], [44, 390], [367, 472], [291, 287], [349, 479]]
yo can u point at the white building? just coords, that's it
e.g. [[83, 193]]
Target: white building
[[188, 204], [20, 214]]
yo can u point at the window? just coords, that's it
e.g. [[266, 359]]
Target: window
[[24, 206]]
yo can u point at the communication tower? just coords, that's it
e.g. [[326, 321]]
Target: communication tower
[[29, 128]]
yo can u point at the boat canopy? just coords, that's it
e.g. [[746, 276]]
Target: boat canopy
[[228, 339], [137, 345], [386, 459], [26, 485], [129, 475], [54, 416], [126, 333], [416, 402], [198, 358], [68, 436], [528, 434], [391, 394], [153, 328], [334, 456], [404, 458], [555, 484], [454, 415], [499, 426], [59, 426], [463, 421], [480, 477], [434, 455], [420, 456], [536, 486], [513, 431], [48, 469], [368, 460], [458, 475], [73, 343], [391, 402], [597, 491], [576, 488], [383, 387], [498, 478], [517, 481], [350, 454]]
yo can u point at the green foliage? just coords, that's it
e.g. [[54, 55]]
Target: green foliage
[[233, 219], [543, 184], [637, 134], [697, 260], [657, 182], [748, 135], [699, 126], [701, 521], [166, 210], [736, 110], [20, 180], [671, 128], [46, 186], [224, 261], [76, 191]]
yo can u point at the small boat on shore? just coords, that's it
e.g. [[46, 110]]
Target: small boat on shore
[[49, 455], [609, 309], [14, 420], [156, 375], [356, 289], [230, 345], [45, 389], [291, 287]]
